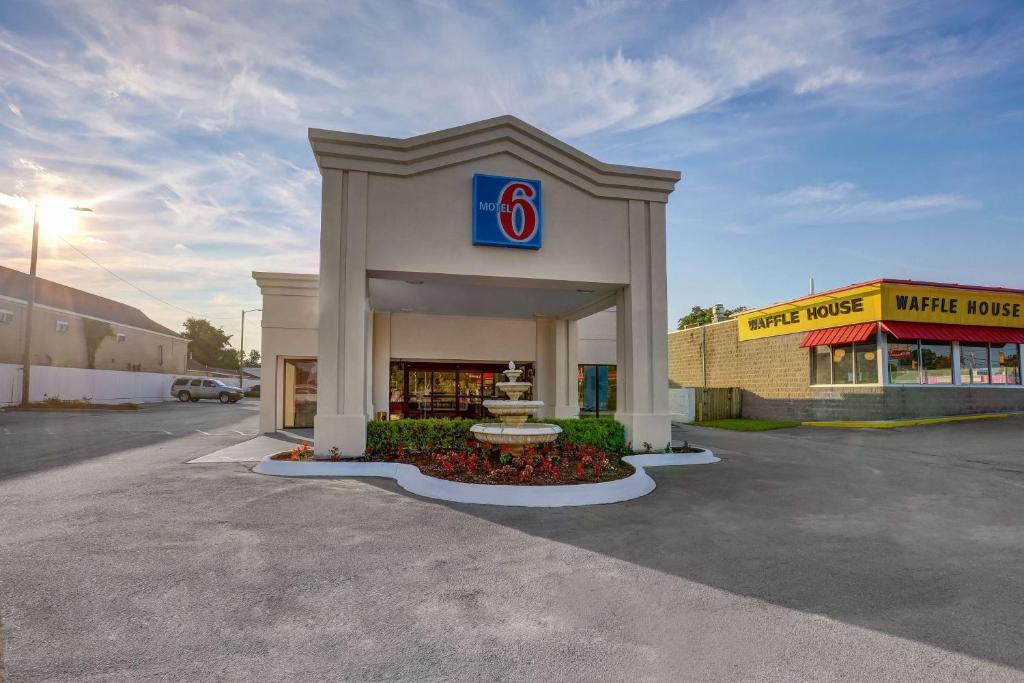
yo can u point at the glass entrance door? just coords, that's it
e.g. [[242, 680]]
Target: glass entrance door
[[421, 389], [299, 393]]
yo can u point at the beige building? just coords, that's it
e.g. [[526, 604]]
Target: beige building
[[64, 318], [886, 349], [446, 255]]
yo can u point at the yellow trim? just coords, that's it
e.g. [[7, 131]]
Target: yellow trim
[[891, 424], [886, 301]]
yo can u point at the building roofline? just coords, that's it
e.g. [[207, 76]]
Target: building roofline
[[883, 280], [55, 295], [499, 135]]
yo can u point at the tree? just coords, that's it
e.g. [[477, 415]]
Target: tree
[[702, 316], [253, 361], [95, 332], [209, 345]]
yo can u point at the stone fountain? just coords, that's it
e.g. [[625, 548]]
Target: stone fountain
[[513, 413]]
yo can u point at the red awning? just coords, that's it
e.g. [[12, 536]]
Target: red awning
[[839, 335], [964, 333]]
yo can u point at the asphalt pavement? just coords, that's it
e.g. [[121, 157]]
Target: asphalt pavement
[[804, 554]]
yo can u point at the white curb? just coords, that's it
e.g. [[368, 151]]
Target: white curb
[[412, 480]]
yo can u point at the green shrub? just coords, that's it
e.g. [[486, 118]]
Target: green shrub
[[603, 432], [441, 434]]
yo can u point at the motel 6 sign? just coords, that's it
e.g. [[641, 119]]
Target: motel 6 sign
[[506, 212]]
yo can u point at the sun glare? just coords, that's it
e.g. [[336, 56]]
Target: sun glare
[[57, 220]]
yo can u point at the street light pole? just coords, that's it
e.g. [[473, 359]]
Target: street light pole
[[26, 352], [241, 348]]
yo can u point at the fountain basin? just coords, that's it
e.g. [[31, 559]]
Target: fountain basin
[[513, 413], [503, 435], [514, 389]]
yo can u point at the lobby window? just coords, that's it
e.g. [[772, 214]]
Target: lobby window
[[937, 362], [845, 363], [904, 362], [1005, 363], [597, 385], [995, 364], [822, 365], [974, 364]]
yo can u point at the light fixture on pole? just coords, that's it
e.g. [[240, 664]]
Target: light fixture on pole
[[26, 354], [241, 348]]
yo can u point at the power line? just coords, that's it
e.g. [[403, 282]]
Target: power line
[[140, 289]]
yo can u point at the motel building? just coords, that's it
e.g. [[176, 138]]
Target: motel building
[[446, 255], [887, 349]]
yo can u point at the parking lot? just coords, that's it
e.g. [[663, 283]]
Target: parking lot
[[804, 554]]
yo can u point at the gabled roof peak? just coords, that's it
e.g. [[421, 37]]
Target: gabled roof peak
[[501, 134]]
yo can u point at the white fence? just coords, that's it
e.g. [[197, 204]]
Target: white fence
[[682, 404], [99, 386]]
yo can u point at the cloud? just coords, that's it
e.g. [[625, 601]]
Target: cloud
[[812, 194], [184, 124], [830, 77], [841, 202]]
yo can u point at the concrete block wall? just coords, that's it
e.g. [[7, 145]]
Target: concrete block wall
[[775, 367]]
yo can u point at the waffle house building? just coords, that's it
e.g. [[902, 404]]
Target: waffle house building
[[887, 349]]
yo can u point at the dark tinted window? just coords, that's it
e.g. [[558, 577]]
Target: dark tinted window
[[197, 382], [208, 383], [180, 382]]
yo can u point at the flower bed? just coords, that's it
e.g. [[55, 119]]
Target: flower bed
[[478, 463]]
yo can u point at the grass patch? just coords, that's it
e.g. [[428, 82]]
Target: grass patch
[[914, 422], [73, 404], [745, 425]]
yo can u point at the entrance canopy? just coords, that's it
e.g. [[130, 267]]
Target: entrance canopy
[[490, 297]]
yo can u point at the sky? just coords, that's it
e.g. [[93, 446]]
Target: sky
[[843, 141]]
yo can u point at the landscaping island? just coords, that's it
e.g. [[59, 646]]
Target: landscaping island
[[589, 464], [588, 451]]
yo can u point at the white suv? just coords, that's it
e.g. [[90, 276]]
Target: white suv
[[195, 388]]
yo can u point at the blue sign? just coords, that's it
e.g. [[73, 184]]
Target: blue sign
[[506, 212]]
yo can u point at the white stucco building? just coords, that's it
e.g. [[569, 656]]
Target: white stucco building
[[416, 308]]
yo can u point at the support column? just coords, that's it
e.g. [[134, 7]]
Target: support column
[[381, 362], [544, 365], [567, 398], [641, 331], [343, 374]]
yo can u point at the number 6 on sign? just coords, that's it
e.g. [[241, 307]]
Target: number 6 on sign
[[507, 212], [516, 203]]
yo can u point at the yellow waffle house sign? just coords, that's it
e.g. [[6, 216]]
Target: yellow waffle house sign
[[887, 300]]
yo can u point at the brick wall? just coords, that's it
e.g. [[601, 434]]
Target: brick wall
[[774, 374]]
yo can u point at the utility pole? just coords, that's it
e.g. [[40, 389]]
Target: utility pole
[[241, 348], [26, 351]]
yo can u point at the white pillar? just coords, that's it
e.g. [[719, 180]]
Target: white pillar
[[567, 401], [555, 374], [342, 367], [381, 362], [544, 366], [641, 331]]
